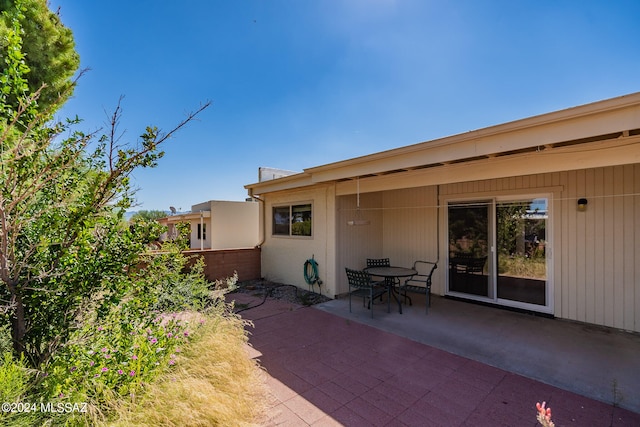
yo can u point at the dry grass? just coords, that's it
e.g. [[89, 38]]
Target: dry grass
[[214, 383], [533, 268]]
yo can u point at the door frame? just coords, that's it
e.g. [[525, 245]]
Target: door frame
[[492, 267]]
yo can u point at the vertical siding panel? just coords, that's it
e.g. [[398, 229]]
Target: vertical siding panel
[[518, 182], [629, 259], [356, 243], [588, 261], [597, 210], [565, 244], [609, 274], [618, 246], [574, 288], [410, 224], [540, 181], [579, 249]]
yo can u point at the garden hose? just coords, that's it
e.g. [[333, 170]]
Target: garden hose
[[311, 275]]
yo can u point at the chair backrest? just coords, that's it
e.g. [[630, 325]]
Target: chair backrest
[[358, 278], [425, 271], [379, 262], [464, 255], [475, 265]]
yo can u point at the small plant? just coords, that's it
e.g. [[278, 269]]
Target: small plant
[[307, 299], [15, 379], [544, 415]]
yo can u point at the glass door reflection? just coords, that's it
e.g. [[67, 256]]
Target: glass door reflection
[[521, 230], [468, 224]]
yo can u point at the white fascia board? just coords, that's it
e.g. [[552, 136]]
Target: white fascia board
[[286, 183], [585, 156], [185, 217]]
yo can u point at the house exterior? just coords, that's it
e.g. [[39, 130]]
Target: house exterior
[[218, 224], [549, 206]]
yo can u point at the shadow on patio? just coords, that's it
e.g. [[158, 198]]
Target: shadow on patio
[[462, 364]]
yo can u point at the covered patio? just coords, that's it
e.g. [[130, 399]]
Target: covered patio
[[545, 204]]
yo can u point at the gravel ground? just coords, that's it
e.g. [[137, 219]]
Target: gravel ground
[[289, 293]]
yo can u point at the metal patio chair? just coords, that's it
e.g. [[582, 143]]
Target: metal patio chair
[[360, 285], [419, 283]]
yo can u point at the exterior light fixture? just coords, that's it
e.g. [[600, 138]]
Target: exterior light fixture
[[358, 220], [582, 204]]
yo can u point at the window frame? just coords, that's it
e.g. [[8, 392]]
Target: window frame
[[288, 211], [201, 233]]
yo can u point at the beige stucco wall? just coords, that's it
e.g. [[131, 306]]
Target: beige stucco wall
[[283, 258], [228, 224], [233, 225]]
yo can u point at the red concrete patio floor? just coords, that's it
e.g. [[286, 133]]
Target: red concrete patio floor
[[325, 370]]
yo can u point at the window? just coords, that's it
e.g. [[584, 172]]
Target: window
[[202, 231], [292, 220]]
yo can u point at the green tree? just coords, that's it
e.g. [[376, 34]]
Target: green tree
[[63, 246], [145, 215], [48, 47]]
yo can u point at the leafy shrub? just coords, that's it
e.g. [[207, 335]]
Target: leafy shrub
[[114, 355]]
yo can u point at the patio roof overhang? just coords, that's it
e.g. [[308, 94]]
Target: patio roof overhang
[[184, 217], [557, 141]]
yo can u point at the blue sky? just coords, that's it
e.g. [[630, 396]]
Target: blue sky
[[301, 83]]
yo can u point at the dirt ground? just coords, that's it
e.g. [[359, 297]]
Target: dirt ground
[[267, 289]]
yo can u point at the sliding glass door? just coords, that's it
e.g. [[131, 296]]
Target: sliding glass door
[[498, 251], [521, 237], [469, 248]]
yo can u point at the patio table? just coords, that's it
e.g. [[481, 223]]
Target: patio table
[[389, 274]]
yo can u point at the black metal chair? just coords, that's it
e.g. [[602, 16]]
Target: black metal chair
[[360, 285], [381, 262], [419, 283], [378, 262]]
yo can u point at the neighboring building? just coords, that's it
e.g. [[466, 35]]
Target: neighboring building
[[267, 174], [218, 225], [549, 205]]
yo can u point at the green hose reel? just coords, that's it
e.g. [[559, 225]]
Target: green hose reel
[[311, 275]]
